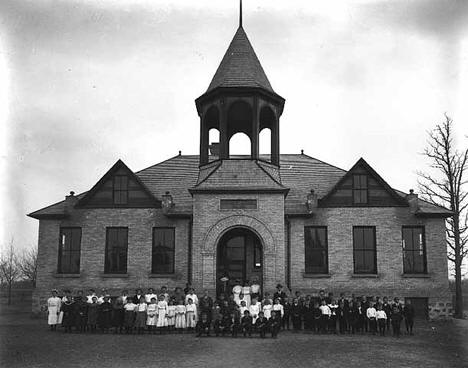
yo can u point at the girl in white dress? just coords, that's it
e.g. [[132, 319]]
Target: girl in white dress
[[162, 313], [151, 315], [53, 307], [236, 291], [278, 308], [255, 309], [180, 316], [191, 314], [246, 292], [267, 309], [171, 315]]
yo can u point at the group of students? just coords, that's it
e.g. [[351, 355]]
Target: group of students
[[231, 314]]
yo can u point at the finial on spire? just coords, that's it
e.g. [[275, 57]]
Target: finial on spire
[[240, 13]]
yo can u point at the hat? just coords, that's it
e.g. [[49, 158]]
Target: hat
[[54, 291], [279, 286]]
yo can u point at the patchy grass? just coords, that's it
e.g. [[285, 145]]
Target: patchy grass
[[28, 343]]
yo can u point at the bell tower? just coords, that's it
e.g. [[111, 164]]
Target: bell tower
[[239, 99]]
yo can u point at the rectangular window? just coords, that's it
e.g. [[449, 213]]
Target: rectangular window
[[414, 249], [163, 250], [116, 250], [364, 249], [69, 250], [316, 249], [360, 189], [238, 204], [120, 189]]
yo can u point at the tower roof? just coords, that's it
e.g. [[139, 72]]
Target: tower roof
[[240, 66]]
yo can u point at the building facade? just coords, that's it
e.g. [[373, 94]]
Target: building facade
[[276, 218]]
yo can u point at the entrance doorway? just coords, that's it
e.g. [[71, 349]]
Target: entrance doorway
[[239, 257]]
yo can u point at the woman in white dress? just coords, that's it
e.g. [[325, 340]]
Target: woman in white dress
[[53, 308], [151, 315], [236, 291], [162, 312], [191, 314], [267, 307], [246, 292]]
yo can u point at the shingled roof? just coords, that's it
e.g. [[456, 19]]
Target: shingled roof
[[240, 66], [299, 173]]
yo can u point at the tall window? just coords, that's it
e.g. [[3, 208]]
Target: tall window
[[116, 250], [316, 249], [163, 250], [120, 189], [69, 250], [364, 249], [360, 189], [414, 249]]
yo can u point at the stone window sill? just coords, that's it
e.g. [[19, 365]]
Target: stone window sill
[[67, 275], [365, 276], [161, 275], [316, 275], [115, 275], [415, 276]]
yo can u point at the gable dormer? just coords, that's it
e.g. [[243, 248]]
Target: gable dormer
[[361, 186], [119, 188]]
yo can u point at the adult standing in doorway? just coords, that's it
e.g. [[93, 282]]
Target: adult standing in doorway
[[236, 291]]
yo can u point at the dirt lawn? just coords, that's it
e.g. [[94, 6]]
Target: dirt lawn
[[27, 343]]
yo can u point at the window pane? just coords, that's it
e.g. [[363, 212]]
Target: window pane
[[369, 261], [407, 239], [369, 238], [69, 250], [316, 249], [414, 251], [359, 265], [358, 237], [163, 250], [116, 250]]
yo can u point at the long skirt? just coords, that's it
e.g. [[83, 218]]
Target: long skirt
[[162, 321], [140, 320], [170, 320], [151, 319], [129, 319], [190, 316], [53, 315], [180, 321]]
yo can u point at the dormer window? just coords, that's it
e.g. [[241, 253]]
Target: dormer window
[[120, 189], [360, 189]]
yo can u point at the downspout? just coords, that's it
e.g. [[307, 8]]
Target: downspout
[[288, 252], [189, 257]]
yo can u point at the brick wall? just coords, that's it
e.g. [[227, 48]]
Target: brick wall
[[390, 280], [140, 223]]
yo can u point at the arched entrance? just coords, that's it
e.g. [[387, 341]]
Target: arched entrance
[[239, 256]]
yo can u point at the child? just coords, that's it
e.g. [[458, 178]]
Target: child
[[254, 309], [150, 295], [261, 324], [296, 315], [343, 316], [267, 298], [203, 325], [396, 318], [53, 309], [287, 314], [180, 316], [225, 326], [275, 324], [191, 315], [118, 314], [140, 318], [161, 324], [325, 315], [243, 307], [217, 319], [279, 309], [191, 295], [267, 308], [317, 316], [105, 314], [80, 312], [408, 313], [371, 315], [236, 291], [246, 324], [67, 309], [171, 308], [332, 321], [129, 317], [151, 315], [93, 309], [381, 320], [235, 324], [89, 298]]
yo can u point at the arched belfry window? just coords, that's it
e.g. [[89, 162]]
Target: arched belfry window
[[239, 144]]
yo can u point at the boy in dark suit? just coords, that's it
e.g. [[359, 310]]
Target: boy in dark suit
[[234, 324], [275, 324], [408, 313], [246, 324], [203, 325], [296, 315], [262, 324]]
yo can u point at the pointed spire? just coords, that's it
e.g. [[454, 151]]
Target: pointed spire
[[240, 13]]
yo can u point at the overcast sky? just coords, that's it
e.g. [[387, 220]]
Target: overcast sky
[[84, 83]]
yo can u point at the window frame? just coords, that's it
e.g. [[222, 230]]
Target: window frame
[[360, 189], [153, 270], [107, 251], [60, 251], [413, 250], [364, 250], [310, 270], [117, 192]]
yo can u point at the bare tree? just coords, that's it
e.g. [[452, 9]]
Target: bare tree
[[9, 269], [27, 264], [446, 186]]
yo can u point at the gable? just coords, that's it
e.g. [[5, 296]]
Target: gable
[[361, 186], [119, 188]]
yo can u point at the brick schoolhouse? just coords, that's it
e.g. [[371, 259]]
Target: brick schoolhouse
[[280, 218]]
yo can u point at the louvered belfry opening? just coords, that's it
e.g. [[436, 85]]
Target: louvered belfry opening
[[239, 99]]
